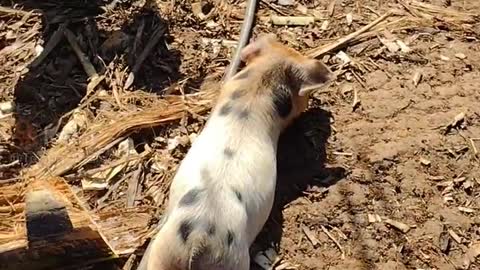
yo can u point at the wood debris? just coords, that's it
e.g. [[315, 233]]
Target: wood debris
[[356, 100], [78, 122], [456, 122], [344, 40], [310, 236], [444, 58], [455, 236], [290, 20], [425, 162], [398, 225], [324, 26], [335, 241], [331, 7], [417, 77], [349, 18], [466, 210], [267, 259], [373, 218], [471, 255]]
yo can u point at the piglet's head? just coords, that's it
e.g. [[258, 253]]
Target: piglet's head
[[290, 76]]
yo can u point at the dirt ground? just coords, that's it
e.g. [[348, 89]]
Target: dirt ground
[[381, 173]]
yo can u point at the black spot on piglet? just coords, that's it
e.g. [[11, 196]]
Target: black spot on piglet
[[225, 109], [238, 194], [243, 114], [211, 229], [190, 198], [230, 237], [185, 229], [237, 94], [282, 100], [228, 152]]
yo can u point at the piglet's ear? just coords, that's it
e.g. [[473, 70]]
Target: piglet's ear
[[315, 75], [256, 47]]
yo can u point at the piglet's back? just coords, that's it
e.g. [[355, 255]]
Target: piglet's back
[[223, 191]]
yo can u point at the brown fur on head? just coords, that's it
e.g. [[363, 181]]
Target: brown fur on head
[[290, 76]]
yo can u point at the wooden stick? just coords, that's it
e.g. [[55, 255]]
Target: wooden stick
[[334, 240], [159, 32], [344, 40], [51, 44], [7, 10], [86, 64]]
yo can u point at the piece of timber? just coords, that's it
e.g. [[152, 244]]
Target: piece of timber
[[60, 234]]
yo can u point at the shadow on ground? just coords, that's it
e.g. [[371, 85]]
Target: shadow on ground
[[112, 41], [300, 167]]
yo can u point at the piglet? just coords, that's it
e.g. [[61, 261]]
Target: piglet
[[223, 191]]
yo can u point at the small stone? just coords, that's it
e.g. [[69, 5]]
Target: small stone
[[460, 56]]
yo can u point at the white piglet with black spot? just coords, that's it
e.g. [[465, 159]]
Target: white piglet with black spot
[[223, 191]]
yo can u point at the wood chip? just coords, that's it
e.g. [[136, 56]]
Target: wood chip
[[197, 10], [349, 18], [324, 26], [133, 187], [302, 9], [356, 100], [51, 44], [425, 162], [261, 260], [436, 178], [347, 154], [82, 57], [291, 20], [455, 236], [460, 179], [398, 225], [331, 8], [472, 253], [130, 262], [343, 57], [467, 184], [417, 77], [457, 120], [346, 39], [310, 235], [286, 2], [466, 209], [334, 240], [444, 58], [403, 47], [390, 44]]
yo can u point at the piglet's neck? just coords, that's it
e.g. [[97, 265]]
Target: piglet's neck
[[248, 116]]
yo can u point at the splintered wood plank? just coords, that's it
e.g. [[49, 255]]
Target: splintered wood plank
[[59, 232], [125, 229]]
